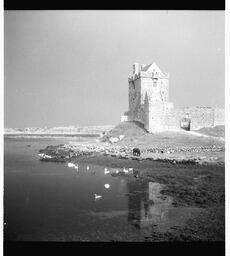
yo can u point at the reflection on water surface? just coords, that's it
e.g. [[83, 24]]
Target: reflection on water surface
[[50, 201]]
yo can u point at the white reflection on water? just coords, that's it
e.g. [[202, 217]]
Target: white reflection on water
[[158, 205], [149, 210]]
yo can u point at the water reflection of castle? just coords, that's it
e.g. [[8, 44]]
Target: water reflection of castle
[[136, 195], [146, 205]]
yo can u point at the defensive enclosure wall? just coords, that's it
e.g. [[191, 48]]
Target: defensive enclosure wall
[[149, 103]]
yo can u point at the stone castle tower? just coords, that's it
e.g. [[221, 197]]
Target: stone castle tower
[[148, 96], [149, 103]]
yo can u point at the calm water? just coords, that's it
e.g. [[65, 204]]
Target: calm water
[[50, 201]]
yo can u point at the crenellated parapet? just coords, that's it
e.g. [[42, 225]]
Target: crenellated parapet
[[151, 75]]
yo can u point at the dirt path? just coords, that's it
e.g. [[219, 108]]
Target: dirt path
[[206, 136]]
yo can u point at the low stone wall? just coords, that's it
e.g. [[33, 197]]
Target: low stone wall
[[200, 117], [219, 116]]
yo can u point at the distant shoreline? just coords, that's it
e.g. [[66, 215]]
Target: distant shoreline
[[95, 135]]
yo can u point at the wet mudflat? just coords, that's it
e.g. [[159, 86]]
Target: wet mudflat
[[46, 201]]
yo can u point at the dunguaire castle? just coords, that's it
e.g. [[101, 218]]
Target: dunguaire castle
[[149, 103]]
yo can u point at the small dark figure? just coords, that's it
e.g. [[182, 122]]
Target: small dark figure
[[71, 154], [136, 173], [136, 152]]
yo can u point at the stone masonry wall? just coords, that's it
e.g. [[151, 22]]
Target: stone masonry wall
[[200, 117], [219, 116], [134, 99], [156, 117]]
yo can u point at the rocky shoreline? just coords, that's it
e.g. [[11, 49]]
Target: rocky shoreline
[[175, 155]]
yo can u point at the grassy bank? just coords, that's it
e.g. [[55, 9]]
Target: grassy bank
[[137, 136]]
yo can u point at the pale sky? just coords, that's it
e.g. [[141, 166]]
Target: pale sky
[[71, 67]]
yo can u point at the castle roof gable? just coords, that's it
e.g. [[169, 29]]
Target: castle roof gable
[[152, 68]]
